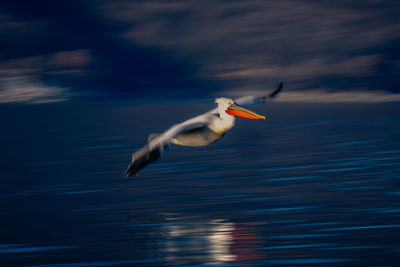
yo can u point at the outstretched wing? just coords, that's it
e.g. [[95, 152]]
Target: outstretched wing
[[152, 150], [247, 100]]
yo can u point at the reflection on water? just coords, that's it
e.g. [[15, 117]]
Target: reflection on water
[[187, 241], [213, 242], [247, 242], [216, 241], [207, 242]]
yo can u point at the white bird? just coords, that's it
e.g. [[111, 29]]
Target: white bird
[[198, 131]]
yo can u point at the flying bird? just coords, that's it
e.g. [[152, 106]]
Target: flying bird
[[198, 131]]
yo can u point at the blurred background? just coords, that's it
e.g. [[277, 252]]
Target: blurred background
[[102, 50], [84, 83]]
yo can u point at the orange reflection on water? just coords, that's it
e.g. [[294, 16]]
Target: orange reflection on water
[[245, 242], [214, 242]]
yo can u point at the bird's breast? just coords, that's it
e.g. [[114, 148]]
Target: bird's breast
[[201, 136]]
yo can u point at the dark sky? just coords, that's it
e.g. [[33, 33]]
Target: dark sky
[[104, 50]]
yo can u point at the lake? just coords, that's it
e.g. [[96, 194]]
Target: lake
[[313, 184]]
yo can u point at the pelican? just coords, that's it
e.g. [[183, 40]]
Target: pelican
[[201, 130]]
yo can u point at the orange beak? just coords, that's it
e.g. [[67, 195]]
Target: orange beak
[[240, 111]]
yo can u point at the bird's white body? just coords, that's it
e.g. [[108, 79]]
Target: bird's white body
[[213, 127]]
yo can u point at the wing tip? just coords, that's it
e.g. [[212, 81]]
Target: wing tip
[[132, 169], [129, 172], [277, 91], [138, 163], [272, 95]]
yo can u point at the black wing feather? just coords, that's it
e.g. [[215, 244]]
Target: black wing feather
[[141, 158], [273, 94], [277, 91]]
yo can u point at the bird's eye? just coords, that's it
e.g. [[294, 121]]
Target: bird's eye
[[230, 103]]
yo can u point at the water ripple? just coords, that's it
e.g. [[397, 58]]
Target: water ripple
[[83, 192], [282, 209], [360, 227], [24, 249], [97, 263], [305, 261], [296, 246], [300, 236], [291, 178]]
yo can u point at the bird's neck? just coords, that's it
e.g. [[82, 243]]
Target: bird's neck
[[223, 123]]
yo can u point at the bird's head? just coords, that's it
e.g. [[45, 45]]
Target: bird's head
[[229, 106]]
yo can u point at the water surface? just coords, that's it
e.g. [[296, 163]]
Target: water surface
[[312, 185]]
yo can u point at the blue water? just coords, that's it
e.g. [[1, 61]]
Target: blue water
[[313, 185]]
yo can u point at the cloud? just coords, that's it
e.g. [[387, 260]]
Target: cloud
[[253, 42], [330, 97], [73, 62], [32, 92], [354, 66], [21, 79], [322, 96], [10, 26], [189, 48]]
